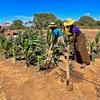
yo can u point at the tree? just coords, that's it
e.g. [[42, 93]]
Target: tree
[[42, 20], [28, 23], [86, 21], [17, 24], [59, 23], [98, 23]]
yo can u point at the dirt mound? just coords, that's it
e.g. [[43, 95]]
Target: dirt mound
[[20, 83]]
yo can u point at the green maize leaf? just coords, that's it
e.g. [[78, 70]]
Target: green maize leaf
[[14, 51], [97, 39]]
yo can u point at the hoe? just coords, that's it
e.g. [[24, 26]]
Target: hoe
[[68, 81]]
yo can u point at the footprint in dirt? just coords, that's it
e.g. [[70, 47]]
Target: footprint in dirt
[[98, 91], [76, 76]]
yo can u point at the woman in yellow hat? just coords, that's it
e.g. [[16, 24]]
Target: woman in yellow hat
[[79, 42]]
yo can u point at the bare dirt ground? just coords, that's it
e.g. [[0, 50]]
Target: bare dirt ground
[[20, 83], [90, 33]]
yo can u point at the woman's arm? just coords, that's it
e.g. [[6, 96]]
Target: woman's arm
[[74, 36]]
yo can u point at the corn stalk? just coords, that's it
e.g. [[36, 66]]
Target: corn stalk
[[95, 47]]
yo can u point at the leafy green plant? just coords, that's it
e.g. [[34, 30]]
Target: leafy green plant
[[40, 62], [95, 47], [5, 44], [33, 46], [97, 39], [49, 38]]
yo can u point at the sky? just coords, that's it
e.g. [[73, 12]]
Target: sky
[[24, 9]]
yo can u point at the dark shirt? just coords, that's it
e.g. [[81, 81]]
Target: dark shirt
[[75, 29]]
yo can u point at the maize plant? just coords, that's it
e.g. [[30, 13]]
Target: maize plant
[[40, 62], [93, 51], [32, 45], [25, 46], [5, 44], [15, 47], [95, 47], [49, 38], [97, 39], [57, 51]]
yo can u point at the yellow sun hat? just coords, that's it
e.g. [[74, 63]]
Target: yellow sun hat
[[52, 24], [69, 22]]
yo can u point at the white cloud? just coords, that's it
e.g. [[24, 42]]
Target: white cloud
[[88, 14], [95, 18], [24, 18], [98, 18]]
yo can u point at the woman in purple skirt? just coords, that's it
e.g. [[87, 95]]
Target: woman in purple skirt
[[79, 42]]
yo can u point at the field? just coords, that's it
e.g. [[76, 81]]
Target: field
[[90, 32], [20, 83]]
